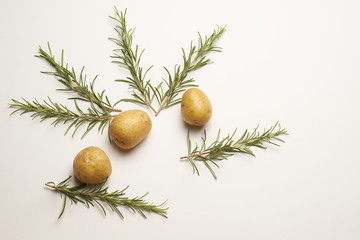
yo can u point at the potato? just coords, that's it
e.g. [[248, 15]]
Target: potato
[[91, 165], [129, 128], [196, 108]]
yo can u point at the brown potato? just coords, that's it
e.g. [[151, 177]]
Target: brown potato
[[129, 128], [91, 165], [196, 108]]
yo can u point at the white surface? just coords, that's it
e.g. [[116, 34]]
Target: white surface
[[292, 61]]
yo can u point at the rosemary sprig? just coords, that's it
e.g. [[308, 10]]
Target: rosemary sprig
[[144, 93], [129, 59], [195, 59], [99, 195], [62, 114], [223, 148], [74, 83], [97, 113]]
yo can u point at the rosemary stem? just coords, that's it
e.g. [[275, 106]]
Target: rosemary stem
[[86, 117], [113, 109], [162, 105], [211, 151], [80, 193], [150, 106], [143, 92]]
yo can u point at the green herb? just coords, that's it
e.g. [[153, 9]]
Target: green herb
[[99, 195], [229, 145], [144, 93], [195, 59], [130, 60], [98, 112]]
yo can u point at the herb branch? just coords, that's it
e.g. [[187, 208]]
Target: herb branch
[[100, 196], [226, 147], [144, 93], [97, 113], [195, 59], [61, 113], [129, 59]]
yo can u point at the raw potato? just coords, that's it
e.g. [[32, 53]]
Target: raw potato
[[196, 108], [92, 165], [129, 128]]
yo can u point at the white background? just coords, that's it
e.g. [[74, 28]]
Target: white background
[[296, 62]]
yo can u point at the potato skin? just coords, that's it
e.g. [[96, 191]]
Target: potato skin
[[91, 165], [129, 128], [196, 109]]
